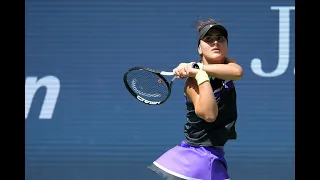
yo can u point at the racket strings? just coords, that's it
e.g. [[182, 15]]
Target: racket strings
[[147, 85]]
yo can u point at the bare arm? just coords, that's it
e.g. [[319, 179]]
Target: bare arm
[[229, 71], [202, 98]]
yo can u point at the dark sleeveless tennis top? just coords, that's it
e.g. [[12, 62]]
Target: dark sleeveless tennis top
[[199, 132]]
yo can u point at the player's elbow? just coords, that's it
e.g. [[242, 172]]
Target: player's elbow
[[238, 73], [209, 116]]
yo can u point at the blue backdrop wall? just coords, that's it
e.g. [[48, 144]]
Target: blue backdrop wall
[[80, 121]]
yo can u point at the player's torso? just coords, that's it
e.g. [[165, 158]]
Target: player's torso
[[200, 132]]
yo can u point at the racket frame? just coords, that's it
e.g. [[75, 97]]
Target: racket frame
[[156, 72]]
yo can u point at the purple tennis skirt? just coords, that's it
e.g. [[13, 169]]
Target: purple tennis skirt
[[192, 163]]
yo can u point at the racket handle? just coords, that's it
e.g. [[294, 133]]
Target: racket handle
[[195, 66]]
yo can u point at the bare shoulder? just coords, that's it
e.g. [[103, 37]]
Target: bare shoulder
[[190, 83]]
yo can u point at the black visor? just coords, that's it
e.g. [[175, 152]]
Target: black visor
[[206, 28]]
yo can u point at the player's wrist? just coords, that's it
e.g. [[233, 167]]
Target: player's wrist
[[202, 77]]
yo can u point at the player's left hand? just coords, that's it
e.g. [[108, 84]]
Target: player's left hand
[[184, 70]]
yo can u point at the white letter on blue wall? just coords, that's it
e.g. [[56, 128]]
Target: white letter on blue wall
[[52, 85], [284, 45]]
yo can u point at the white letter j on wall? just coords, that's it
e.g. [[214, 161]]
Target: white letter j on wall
[[284, 45]]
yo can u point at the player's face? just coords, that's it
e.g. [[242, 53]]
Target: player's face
[[213, 46]]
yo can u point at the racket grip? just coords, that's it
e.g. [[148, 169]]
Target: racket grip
[[195, 66]]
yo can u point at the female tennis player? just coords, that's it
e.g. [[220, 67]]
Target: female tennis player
[[210, 98]]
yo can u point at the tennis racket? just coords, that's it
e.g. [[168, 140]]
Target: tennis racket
[[148, 85]]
